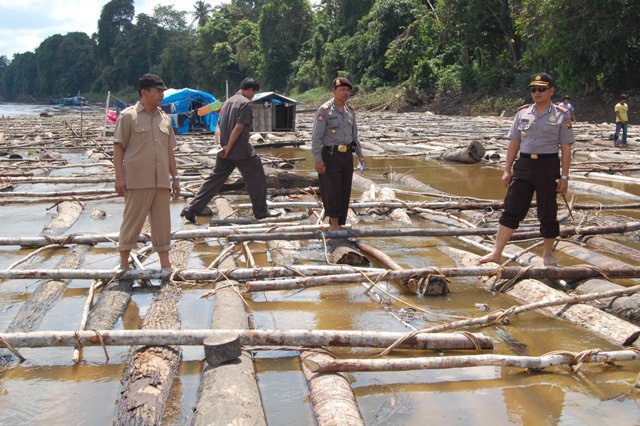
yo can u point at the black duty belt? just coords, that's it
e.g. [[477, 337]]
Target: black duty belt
[[339, 148], [537, 156]]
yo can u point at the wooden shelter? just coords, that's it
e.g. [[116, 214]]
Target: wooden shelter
[[273, 112]]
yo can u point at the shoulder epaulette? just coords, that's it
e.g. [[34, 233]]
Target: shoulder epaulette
[[561, 108], [127, 109], [326, 105], [524, 106]]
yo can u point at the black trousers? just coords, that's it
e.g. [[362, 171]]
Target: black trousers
[[254, 179], [335, 184], [531, 176]]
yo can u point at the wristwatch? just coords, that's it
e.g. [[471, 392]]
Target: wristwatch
[[565, 178], [175, 179]]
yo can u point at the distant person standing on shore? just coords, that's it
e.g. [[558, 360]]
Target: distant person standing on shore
[[145, 169], [621, 110], [566, 104]]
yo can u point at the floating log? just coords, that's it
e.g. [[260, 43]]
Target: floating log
[[279, 181], [626, 307], [264, 337], [612, 246], [244, 221], [345, 252], [221, 349], [409, 181], [412, 284], [151, 370], [362, 233], [332, 365], [46, 295], [110, 306], [472, 153], [600, 190], [605, 325], [331, 395], [43, 298], [68, 214], [229, 392]]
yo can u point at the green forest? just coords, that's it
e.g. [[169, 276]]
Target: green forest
[[428, 47]]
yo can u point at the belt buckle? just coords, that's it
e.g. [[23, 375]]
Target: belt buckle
[[534, 156], [342, 148]]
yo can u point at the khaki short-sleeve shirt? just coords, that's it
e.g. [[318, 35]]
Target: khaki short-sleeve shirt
[[146, 140]]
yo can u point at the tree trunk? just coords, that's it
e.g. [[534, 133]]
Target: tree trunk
[[68, 214], [152, 370], [331, 394], [345, 252], [472, 153], [229, 393]]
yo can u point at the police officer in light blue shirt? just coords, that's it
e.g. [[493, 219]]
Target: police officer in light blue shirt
[[538, 132]]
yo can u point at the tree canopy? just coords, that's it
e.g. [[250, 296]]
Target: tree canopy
[[433, 47]]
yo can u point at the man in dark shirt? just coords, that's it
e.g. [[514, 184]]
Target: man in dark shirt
[[234, 125]]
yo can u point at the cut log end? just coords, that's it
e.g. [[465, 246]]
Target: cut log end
[[221, 349], [344, 252]]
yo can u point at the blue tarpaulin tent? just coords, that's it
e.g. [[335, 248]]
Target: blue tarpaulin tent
[[182, 104]]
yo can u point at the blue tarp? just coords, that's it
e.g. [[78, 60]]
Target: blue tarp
[[184, 104]]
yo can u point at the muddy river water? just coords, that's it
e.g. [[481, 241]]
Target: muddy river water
[[49, 388]]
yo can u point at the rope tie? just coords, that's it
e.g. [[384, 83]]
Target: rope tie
[[104, 347], [473, 339], [12, 349], [503, 287]]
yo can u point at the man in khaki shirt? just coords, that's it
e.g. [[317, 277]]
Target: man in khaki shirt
[[145, 168]]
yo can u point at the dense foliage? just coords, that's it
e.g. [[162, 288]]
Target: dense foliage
[[432, 47]]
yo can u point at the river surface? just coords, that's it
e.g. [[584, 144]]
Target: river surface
[[49, 389], [14, 109]]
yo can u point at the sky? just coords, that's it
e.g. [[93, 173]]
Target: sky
[[24, 24]]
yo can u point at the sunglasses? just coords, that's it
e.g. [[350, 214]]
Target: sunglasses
[[539, 89]]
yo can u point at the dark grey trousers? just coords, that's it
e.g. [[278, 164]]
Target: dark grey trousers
[[254, 179]]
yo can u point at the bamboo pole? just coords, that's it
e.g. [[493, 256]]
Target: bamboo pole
[[434, 205], [319, 275], [263, 337], [317, 235], [569, 272], [428, 363], [217, 232]]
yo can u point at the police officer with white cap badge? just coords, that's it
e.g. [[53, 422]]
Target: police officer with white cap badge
[[538, 132]]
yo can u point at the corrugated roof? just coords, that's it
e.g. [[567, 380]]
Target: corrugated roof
[[269, 96]]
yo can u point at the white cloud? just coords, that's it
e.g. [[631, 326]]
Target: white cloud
[[25, 24]]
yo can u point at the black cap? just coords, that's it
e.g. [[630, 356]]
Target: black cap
[[148, 81], [341, 81], [542, 79], [623, 96], [566, 97]]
